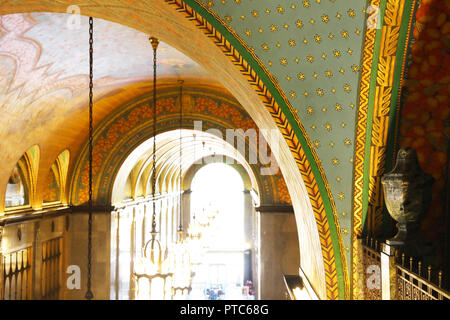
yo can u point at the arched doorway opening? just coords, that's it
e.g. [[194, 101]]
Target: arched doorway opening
[[221, 191], [160, 19], [217, 190]]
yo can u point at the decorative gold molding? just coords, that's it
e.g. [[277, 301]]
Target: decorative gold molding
[[380, 125], [291, 139]]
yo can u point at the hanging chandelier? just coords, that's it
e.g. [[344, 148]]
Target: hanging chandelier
[[204, 221], [194, 239], [180, 260], [152, 275]]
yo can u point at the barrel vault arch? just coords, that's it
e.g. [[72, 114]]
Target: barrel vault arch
[[255, 89]]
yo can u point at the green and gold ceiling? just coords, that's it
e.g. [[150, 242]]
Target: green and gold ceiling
[[310, 53], [313, 50]]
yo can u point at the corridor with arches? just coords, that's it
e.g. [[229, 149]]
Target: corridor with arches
[[216, 150]]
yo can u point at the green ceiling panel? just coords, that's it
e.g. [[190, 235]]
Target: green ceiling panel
[[313, 49]]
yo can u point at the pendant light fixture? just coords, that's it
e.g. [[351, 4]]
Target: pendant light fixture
[[180, 207], [153, 280], [194, 234], [181, 266]]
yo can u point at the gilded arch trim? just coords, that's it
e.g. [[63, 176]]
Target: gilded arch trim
[[320, 196], [123, 130], [382, 75], [337, 280]]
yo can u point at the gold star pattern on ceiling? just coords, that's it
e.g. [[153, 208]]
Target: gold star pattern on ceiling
[[347, 142], [319, 44]]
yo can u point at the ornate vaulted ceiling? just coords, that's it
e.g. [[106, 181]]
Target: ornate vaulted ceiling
[[44, 77], [42, 56], [313, 50], [299, 57]]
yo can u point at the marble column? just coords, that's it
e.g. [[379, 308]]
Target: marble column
[[101, 253], [186, 198], [251, 239], [278, 250]]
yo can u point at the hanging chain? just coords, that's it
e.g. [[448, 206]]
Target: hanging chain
[[89, 295], [180, 226], [154, 43], [195, 160]]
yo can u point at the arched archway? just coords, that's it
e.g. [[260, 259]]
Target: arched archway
[[226, 267], [168, 27]]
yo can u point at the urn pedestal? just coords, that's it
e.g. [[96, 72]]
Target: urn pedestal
[[407, 193]]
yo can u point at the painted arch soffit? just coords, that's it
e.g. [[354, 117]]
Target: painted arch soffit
[[282, 111], [311, 169], [313, 50], [126, 128]]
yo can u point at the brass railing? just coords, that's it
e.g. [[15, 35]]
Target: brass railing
[[17, 275], [372, 268], [412, 285], [50, 270]]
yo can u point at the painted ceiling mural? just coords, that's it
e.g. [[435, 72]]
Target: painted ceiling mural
[[54, 88], [313, 49], [118, 135], [49, 55], [44, 73], [40, 64]]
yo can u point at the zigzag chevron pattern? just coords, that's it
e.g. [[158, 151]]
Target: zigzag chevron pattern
[[378, 135], [288, 134], [382, 105], [361, 127]]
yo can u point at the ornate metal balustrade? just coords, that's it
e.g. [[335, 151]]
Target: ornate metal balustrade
[[411, 284], [17, 275], [50, 269], [372, 269]]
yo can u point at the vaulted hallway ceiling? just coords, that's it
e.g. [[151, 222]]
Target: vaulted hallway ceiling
[[45, 73], [44, 79], [326, 73]]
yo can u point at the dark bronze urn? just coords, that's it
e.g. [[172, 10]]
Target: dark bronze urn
[[407, 194]]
